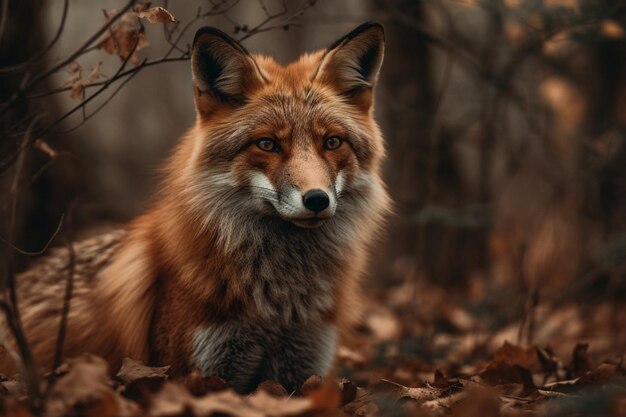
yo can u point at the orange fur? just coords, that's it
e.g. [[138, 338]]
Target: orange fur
[[207, 251]]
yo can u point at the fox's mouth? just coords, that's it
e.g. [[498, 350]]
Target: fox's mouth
[[309, 222]]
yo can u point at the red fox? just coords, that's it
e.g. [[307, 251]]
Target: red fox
[[247, 264]]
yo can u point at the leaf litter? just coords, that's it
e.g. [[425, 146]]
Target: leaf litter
[[436, 361], [406, 358]]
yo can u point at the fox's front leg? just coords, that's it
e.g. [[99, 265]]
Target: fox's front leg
[[232, 351], [299, 352]]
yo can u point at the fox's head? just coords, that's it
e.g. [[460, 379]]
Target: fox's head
[[296, 143]]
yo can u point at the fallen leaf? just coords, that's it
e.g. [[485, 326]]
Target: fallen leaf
[[383, 324], [174, 400], [400, 392], [139, 379], [499, 373], [200, 385], [14, 388], [312, 383], [517, 355], [133, 371], [604, 373], [86, 387], [325, 399], [273, 388]]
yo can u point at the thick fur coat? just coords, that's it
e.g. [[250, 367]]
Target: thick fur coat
[[247, 265]]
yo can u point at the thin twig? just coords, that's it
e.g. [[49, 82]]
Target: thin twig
[[42, 250], [69, 288]]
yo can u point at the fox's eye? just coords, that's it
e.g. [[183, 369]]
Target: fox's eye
[[267, 145], [333, 142]]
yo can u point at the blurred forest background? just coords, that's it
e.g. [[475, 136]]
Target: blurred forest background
[[505, 123]]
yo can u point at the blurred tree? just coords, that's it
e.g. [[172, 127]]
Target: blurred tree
[[40, 199], [422, 174]]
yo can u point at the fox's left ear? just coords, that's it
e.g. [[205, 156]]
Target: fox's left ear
[[352, 63]]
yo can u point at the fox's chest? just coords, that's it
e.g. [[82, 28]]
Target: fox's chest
[[247, 353], [291, 286]]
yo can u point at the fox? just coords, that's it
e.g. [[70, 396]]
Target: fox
[[248, 263]]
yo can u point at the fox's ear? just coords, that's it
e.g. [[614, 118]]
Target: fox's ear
[[223, 71], [352, 63]]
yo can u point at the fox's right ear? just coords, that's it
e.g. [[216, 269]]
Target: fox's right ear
[[223, 71], [352, 63]]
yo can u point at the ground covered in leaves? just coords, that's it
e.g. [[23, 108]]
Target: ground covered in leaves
[[421, 351]]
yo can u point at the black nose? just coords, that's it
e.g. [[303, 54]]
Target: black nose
[[315, 200]]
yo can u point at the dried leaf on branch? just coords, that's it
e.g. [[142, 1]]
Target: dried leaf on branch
[[125, 38], [157, 15]]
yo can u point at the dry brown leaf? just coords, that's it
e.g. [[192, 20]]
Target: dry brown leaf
[[383, 324], [499, 373], [140, 380], [517, 355], [312, 383], [325, 399], [133, 371], [124, 38], [200, 385], [273, 388], [400, 392], [77, 82], [157, 15], [602, 374], [86, 387], [14, 388], [174, 400], [77, 71]]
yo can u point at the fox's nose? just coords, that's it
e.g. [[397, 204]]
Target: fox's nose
[[316, 200]]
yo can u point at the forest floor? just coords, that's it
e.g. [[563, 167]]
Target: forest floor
[[421, 351]]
